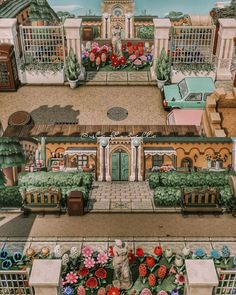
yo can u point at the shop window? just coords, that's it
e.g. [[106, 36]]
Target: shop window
[[157, 160], [82, 161]]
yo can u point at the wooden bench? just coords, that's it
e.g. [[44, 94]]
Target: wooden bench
[[42, 201], [201, 201]]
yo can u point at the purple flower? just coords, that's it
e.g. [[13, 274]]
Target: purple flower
[[149, 57], [68, 291]]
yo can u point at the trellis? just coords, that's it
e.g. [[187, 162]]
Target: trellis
[[43, 44], [192, 44], [227, 282]]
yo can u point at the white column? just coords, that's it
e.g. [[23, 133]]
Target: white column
[[129, 26], [45, 276], [107, 161], [8, 34], [225, 48], [161, 40], [234, 154], [133, 161], [201, 277], [73, 35]]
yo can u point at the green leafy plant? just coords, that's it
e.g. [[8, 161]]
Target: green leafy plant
[[163, 66], [145, 32], [10, 196], [42, 68], [72, 67], [167, 196], [194, 68], [176, 15]]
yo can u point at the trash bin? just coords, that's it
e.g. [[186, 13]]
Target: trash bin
[[75, 204]]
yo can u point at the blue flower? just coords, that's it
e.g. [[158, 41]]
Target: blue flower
[[17, 256], [225, 252], [68, 291], [3, 255], [6, 264], [215, 254], [200, 253]]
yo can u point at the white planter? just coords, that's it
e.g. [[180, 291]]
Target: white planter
[[176, 77], [73, 83], [161, 83], [28, 77]]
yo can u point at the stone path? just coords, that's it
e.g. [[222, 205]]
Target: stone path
[[121, 197]]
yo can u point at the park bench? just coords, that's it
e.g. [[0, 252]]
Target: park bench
[[200, 201], [41, 201]]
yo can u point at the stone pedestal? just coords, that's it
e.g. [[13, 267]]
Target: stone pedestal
[[225, 48], [201, 277], [45, 276]]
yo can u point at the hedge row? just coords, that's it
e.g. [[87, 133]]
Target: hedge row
[[191, 179], [171, 196], [10, 196], [55, 179]]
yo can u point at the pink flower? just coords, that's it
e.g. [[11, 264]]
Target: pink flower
[[81, 290], [89, 262], [102, 258], [103, 57], [137, 62], [94, 44], [98, 61], [143, 58], [132, 57], [172, 270], [92, 57], [85, 53], [180, 279], [71, 277], [87, 251], [162, 293]]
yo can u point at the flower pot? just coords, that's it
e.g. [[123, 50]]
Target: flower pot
[[161, 83], [73, 83]]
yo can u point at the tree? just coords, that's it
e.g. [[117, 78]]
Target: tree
[[40, 11], [226, 12], [11, 155]]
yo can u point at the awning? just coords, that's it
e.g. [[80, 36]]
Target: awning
[[81, 151], [161, 151]]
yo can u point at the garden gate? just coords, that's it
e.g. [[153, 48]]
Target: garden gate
[[227, 282]]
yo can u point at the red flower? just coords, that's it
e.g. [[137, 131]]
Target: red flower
[[116, 63], [142, 270], [92, 283], [162, 271], [101, 273], [129, 44], [139, 252], [136, 53], [111, 252], [113, 291], [130, 50], [141, 51], [122, 61], [150, 261], [83, 272], [135, 47], [113, 57], [94, 50], [158, 251], [131, 256], [152, 280]]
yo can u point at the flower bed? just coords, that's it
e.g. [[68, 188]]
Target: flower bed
[[134, 57]]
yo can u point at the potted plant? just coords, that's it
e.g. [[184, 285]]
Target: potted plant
[[72, 69], [162, 69]]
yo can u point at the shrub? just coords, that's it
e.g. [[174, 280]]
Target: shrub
[[154, 180], [10, 196], [170, 196]]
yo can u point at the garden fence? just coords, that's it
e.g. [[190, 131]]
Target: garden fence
[[192, 44], [43, 44], [15, 282], [227, 282]]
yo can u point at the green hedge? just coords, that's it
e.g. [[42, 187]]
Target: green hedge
[[10, 196], [55, 179], [171, 196], [192, 179]]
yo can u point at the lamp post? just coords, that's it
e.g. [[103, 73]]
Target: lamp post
[[104, 143], [136, 144], [106, 16], [129, 16]]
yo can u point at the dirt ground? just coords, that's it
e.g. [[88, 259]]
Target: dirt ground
[[90, 103]]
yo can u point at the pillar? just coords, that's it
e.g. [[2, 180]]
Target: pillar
[[107, 161], [133, 161], [201, 277], [225, 48], [43, 150], [234, 154], [161, 40], [9, 34], [106, 26], [129, 26], [45, 276], [73, 36]]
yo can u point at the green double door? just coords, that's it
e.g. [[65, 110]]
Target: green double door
[[120, 166]]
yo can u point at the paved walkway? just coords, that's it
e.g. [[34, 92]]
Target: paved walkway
[[121, 197]]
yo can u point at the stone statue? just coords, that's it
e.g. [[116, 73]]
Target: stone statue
[[116, 41], [122, 274]]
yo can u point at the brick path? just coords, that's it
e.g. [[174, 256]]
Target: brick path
[[121, 197]]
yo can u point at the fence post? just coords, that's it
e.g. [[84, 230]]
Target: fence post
[[201, 277], [225, 48], [73, 36], [45, 276], [161, 40]]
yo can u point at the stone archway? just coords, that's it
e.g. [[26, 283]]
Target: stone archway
[[120, 165]]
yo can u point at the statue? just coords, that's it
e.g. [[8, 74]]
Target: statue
[[122, 274], [116, 41]]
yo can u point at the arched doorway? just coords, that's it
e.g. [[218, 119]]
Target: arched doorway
[[120, 166], [187, 163]]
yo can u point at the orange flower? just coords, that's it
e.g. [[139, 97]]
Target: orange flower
[[113, 291], [158, 251], [142, 270], [152, 280], [162, 271]]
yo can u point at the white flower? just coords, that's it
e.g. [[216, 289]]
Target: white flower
[[65, 259], [168, 253], [57, 251], [74, 252], [179, 261], [186, 251]]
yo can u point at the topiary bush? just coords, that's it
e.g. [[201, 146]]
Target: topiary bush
[[10, 196]]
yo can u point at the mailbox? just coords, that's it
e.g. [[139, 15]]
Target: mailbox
[[75, 204]]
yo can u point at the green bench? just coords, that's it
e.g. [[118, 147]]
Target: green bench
[[41, 201], [200, 201]]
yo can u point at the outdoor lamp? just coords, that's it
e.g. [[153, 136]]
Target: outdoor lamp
[[104, 143], [136, 143], [129, 16], [106, 16]]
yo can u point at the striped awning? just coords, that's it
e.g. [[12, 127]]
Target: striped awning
[[80, 151], [161, 151]]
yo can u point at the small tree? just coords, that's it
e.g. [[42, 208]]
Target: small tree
[[72, 68], [163, 66], [11, 155]]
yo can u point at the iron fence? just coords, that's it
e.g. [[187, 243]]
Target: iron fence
[[15, 282], [227, 282], [192, 44], [43, 44]]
